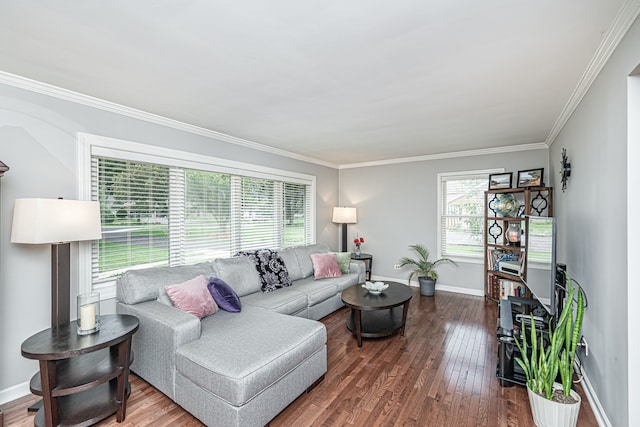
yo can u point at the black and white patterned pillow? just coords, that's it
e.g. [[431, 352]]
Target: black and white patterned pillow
[[271, 268]]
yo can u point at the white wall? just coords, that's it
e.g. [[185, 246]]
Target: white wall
[[592, 224], [397, 207], [38, 141], [633, 236]]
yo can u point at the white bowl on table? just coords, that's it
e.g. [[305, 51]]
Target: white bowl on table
[[375, 288]]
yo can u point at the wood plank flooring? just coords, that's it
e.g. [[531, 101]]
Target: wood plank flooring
[[441, 373]]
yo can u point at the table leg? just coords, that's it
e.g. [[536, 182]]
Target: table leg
[[405, 310], [48, 377], [124, 349], [358, 321]]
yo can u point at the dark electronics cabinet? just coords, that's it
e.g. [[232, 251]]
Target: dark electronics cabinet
[[508, 370], [511, 311]]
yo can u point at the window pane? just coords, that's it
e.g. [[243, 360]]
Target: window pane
[[295, 200], [133, 201], [540, 241], [462, 216], [258, 215], [208, 214]]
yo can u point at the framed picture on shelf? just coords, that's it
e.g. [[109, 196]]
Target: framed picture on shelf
[[499, 181], [531, 178]]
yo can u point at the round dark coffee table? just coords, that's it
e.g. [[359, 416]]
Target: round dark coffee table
[[375, 316]]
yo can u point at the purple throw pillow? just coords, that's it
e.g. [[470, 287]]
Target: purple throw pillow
[[224, 295]]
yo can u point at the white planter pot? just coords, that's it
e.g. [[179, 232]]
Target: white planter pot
[[547, 413]]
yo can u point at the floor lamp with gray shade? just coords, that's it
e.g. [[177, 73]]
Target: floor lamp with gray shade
[[56, 222], [344, 216]]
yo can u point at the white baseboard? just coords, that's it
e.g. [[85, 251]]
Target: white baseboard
[[15, 392], [447, 288], [460, 290], [596, 407]]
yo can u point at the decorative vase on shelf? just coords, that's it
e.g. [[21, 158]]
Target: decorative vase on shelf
[[513, 234], [505, 205]]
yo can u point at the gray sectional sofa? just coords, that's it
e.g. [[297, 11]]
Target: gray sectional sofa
[[235, 369]]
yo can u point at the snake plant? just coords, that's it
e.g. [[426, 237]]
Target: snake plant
[[542, 366]]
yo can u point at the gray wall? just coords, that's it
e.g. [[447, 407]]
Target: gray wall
[[38, 141], [397, 207], [593, 222]]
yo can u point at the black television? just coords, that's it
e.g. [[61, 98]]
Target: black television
[[540, 261]]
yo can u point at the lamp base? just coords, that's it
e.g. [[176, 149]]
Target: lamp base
[[344, 238], [60, 284]]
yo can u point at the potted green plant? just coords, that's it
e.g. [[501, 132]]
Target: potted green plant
[[552, 403], [424, 269]]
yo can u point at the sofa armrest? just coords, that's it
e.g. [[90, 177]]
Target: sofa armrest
[[162, 331], [360, 268]]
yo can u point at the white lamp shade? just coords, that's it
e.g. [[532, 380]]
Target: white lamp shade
[[342, 215], [40, 221]]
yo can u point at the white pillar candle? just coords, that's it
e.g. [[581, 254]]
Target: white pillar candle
[[87, 317]]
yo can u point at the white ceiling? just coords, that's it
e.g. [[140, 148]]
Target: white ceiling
[[340, 81]]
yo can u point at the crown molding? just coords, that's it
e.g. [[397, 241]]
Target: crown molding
[[452, 155], [90, 101], [612, 38]]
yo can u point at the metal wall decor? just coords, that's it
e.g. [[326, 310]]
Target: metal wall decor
[[3, 168], [565, 170]]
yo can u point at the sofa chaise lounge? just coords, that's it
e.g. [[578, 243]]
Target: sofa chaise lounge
[[235, 369]]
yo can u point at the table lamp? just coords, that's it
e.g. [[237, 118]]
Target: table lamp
[[344, 216], [56, 222]]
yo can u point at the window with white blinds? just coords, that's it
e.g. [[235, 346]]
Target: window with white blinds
[[461, 213], [164, 214]]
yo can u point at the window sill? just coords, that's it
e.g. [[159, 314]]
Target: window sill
[[464, 259]]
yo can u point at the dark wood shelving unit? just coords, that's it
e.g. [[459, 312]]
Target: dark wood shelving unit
[[537, 201]]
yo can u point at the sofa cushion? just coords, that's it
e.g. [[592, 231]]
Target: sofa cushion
[[270, 267], [192, 297], [239, 273], [290, 259], [304, 260], [284, 301], [163, 297], [325, 265], [224, 295], [345, 281], [317, 291], [136, 286], [271, 347]]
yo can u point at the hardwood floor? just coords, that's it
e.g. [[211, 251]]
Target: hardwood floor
[[442, 373]]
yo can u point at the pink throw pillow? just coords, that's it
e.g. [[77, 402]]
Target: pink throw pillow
[[325, 265], [193, 297]]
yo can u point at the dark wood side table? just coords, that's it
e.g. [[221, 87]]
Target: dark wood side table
[[374, 316], [368, 262], [83, 378]]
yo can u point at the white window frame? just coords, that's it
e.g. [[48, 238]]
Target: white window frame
[[95, 145], [461, 175]]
